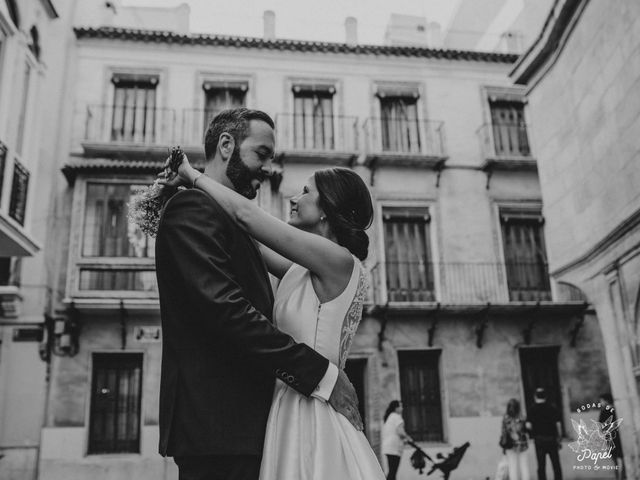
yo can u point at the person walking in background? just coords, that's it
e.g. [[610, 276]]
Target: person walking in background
[[543, 421], [393, 437], [514, 441], [607, 410]]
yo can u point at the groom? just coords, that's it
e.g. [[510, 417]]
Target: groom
[[221, 351]]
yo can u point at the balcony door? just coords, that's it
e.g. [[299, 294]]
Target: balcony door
[[313, 127], [133, 115], [219, 96], [407, 255], [525, 257], [509, 128], [399, 124]]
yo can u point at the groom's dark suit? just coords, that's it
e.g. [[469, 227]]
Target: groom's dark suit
[[220, 351]]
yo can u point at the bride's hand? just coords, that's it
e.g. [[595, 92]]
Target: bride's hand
[[183, 177]]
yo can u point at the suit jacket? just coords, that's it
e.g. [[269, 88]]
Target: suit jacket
[[220, 351]]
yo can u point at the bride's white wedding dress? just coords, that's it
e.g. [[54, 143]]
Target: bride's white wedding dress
[[306, 438]]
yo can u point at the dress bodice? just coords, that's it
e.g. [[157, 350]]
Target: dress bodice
[[327, 327]]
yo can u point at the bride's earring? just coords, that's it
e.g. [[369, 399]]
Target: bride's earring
[[323, 218]]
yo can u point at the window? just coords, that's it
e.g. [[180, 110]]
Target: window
[[19, 190], [134, 109], [539, 367], [525, 256], [219, 96], [313, 117], [24, 103], [420, 393], [10, 271], [107, 230], [399, 122], [130, 280], [407, 253], [116, 392], [509, 128]]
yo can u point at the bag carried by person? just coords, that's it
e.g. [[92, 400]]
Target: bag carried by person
[[502, 472], [506, 441]]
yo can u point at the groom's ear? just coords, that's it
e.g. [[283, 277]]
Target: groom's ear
[[226, 144]]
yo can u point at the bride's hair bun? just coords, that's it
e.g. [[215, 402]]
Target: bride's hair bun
[[346, 201]]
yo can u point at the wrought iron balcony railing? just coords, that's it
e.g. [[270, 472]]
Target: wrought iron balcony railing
[[404, 136], [504, 140], [459, 283], [317, 133], [19, 192], [130, 125], [193, 124]]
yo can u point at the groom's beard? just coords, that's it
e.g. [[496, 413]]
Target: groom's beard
[[241, 175]]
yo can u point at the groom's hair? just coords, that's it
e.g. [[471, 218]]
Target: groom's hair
[[235, 122]]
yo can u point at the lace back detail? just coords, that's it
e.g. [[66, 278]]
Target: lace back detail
[[353, 317]]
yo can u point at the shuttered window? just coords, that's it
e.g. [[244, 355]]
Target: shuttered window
[[219, 96], [525, 257], [509, 128], [407, 255], [116, 391], [313, 117], [420, 392], [399, 124], [134, 109]]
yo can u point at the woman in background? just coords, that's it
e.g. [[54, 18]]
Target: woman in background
[[514, 441], [393, 437]]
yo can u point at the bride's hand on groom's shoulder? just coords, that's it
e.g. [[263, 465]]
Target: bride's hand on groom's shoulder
[[183, 177], [345, 400]]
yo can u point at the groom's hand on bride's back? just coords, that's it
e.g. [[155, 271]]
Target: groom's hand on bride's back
[[345, 401]]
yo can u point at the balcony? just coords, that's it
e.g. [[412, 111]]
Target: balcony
[[15, 240], [104, 284], [457, 283], [10, 296], [404, 143], [505, 146], [324, 139], [118, 279], [110, 131]]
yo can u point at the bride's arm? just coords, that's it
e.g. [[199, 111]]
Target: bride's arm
[[326, 259], [276, 263]]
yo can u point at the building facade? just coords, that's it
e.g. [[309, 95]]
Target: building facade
[[28, 72], [590, 172], [462, 314]]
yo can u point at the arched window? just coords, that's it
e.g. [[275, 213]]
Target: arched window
[[570, 293]]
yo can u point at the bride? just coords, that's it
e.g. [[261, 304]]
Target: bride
[[316, 256]]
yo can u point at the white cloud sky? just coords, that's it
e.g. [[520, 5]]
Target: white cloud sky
[[305, 19]]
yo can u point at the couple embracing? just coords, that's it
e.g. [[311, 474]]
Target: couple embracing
[[253, 386]]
